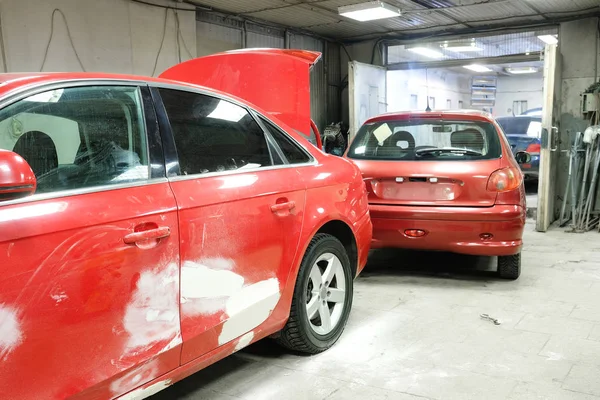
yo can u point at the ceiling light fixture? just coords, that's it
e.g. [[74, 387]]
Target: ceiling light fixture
[[369, 11], [427, 52], [462, 47], [477, 68], [548, 39], [521, 70]]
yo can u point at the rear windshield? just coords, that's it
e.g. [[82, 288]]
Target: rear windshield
[[521, 126], [426, 140]]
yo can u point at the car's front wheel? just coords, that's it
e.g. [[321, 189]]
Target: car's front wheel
[[509, 267], [322, 297]]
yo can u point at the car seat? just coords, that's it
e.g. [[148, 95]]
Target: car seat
[[38, 149], [471, 139], [398, 145]]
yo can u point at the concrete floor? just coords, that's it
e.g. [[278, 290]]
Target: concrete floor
[[415, 332]]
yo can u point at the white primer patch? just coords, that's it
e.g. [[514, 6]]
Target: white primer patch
[[135, 377], [249, 307], [143, 393], [59, 297], [244, 341], [153, 312], [10, 330], [206, 285]]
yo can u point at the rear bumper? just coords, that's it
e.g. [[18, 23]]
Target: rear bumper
[[452, 229], [363, 229]]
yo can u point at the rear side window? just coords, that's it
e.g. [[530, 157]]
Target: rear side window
[[79, 137], [426, 140], [292, 152], [214, 135]]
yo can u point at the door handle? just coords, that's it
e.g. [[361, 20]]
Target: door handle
[[156, 233], [283, 209]]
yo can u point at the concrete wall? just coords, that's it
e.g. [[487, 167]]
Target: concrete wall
[[109, 35], [580, 57], [518, 88], [440, 84]]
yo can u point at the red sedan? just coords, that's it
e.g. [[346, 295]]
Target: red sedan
[[444, 181], [150, 227]]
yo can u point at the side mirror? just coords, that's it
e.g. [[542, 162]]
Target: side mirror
[[16, 177], [523, 157]]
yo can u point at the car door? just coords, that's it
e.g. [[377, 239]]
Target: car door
[[240, 208], [89, 283]]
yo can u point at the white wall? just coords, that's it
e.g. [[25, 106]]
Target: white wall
[[116, 36], [440, 84], [518, 88]]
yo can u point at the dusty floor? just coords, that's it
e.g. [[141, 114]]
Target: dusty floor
[[415, 332]]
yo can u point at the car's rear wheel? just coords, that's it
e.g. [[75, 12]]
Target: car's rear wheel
[[509, 267], [322, 297]]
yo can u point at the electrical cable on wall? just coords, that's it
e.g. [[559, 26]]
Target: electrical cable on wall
[[162, 41], [57, 10]]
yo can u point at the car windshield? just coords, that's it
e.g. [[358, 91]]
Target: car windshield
[[521, 126], [426, 140]]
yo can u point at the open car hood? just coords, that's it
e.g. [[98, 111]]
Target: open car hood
[[275, 80]]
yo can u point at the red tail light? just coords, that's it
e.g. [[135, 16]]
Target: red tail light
[[505, 180], [534, 148]]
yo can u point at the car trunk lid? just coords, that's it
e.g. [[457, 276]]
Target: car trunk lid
[[429, 183]]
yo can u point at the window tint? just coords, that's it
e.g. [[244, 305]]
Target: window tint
[[78, 137], [291, 151], [424, 140], [214, 135]]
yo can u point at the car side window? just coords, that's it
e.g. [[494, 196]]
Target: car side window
[[79, 137], [214, 135], [292, 152]]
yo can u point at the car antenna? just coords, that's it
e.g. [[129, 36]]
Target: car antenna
[[428, 109]]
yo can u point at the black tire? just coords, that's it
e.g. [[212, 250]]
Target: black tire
[[509, 267], [297, 334]]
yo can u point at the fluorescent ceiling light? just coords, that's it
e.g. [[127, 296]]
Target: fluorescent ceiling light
[[477, 68], [369, 11], [228, 112], [549, 39], [427, 52], [523, 70]]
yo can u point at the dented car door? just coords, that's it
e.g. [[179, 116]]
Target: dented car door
[[240, 219], [89, 290]]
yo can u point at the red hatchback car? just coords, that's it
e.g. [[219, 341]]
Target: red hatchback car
[[444, 181], [149, 227]]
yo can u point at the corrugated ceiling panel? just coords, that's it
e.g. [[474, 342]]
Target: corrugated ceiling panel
[[490, 11], [240, 6], [550, 6], [345, 29], [296, 16], [413, 20]]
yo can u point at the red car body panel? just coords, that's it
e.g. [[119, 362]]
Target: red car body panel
[[93, 314], [457, 212], [276, 80]]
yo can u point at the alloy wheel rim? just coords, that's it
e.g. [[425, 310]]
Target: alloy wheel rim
[[325, 294]]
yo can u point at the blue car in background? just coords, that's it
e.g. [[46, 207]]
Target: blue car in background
[[523, 133]]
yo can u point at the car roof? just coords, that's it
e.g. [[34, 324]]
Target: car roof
[[533, 117], [13, 82], [467, 115]]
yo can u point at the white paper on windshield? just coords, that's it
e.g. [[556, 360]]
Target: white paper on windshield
[[382, 133]]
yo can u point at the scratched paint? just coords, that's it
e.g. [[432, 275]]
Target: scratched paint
[[152, 315], [10, 330], [136, 377]]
